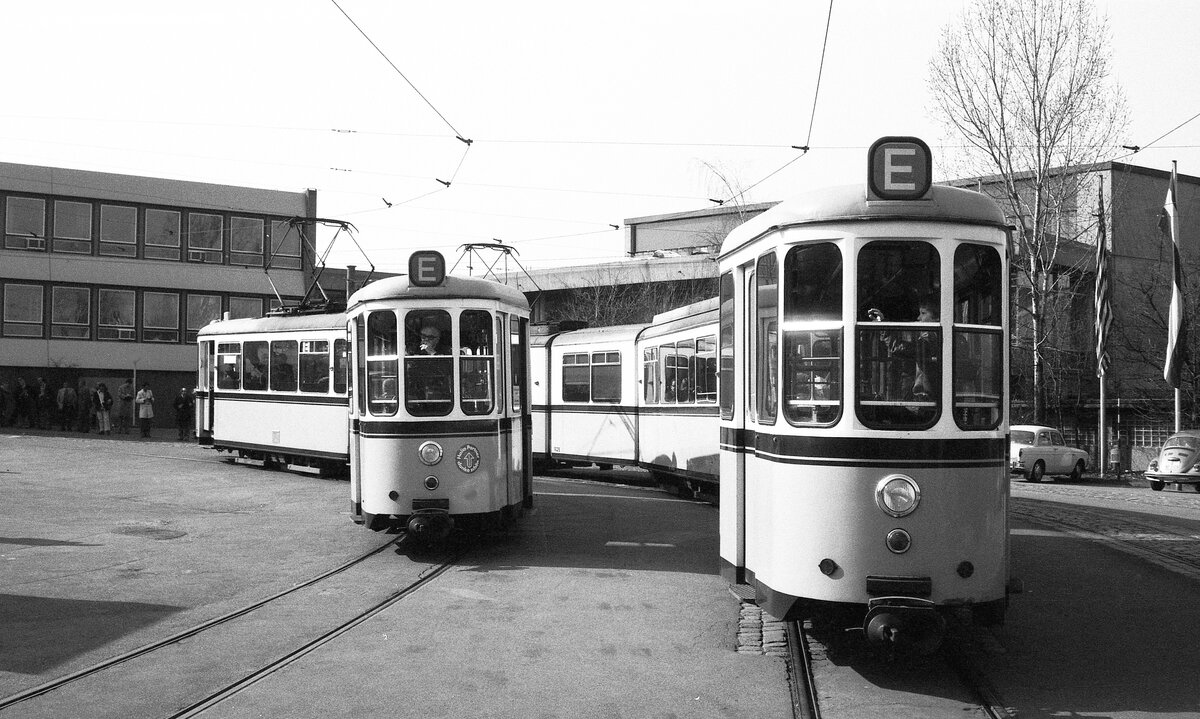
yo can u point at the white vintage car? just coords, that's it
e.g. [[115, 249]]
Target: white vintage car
[[1035, 451]]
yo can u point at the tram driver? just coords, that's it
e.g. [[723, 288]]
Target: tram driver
[[911, 357]]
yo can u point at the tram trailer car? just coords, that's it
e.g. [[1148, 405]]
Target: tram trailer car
[[439, 414], [635, 395], [274, 389], [863, 403]]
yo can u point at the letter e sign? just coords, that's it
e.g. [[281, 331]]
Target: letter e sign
[[426, 268], [899, 168]]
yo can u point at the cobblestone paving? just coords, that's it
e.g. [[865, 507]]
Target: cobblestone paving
[[1107, 517]]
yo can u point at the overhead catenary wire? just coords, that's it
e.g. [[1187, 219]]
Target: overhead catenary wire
[[1135, 149]]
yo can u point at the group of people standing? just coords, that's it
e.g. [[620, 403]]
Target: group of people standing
[[82, 407]]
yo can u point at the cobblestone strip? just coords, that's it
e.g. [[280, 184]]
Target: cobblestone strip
[[760, 633], [1160, 544]]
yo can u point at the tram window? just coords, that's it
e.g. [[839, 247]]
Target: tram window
[[474, 333], [606, 376], [229, 358], [381, 334], [978, 298], [519, 344], [382, 397], [340, 366], [978, 369], [314, 366], [705, 370], [576, 378], [898, 365], [477, 364], [428, 385], [667, 370], [812, 339], [501, 359], [284, 355], [360, 355], [255, 363], [476, 385], [650, 376], [767, 345], [726, 338]]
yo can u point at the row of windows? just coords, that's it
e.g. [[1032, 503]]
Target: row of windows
[[120, 230], [683, 372], [304, 365], [38, 311]]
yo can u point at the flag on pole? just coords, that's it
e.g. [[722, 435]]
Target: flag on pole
[[1169, 224], [1103, 295]]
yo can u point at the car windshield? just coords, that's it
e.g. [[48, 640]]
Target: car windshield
[[1185, 441], [1022, 437]]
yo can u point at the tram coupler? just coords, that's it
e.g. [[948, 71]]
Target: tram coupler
[[904, 625], [430, 526]]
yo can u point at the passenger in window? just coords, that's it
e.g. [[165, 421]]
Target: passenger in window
[[430, 342], [911, 355], [387, 391]]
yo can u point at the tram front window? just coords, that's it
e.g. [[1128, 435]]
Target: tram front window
[[812, 334], [428, 366], [477, 362], [979, 341], [899, 335]]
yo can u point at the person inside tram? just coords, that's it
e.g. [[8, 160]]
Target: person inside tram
[[429, 342], [911, 356]]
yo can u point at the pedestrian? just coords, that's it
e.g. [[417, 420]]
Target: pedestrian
[[183, 414], [8, 404], [145, 402], [102, 402], [43, 400], [67, 406], [83, 418], [124, 403], [23, 400]]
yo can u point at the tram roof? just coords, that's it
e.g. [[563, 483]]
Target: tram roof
[[451, 288], [849, 203], [275, 323]]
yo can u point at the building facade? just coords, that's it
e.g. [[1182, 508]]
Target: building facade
[[105, 277]]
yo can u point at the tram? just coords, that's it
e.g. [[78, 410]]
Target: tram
[[440, 427], [274, 389], [863, 403]]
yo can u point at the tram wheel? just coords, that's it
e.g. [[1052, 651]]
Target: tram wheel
[[1157, 486], [1035, 474]]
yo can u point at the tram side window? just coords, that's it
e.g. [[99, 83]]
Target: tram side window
[[255, 363], [428, 366], [340, 366], [767, 345], [899, 336], [229, 359], [518, 328], [650, 389], [284, 355], [606, 376], [677, 363], [477, 363], [705, 370], [726, 339], [360, 362], [382, 386], [576, 378], [978, 369], [812, 340], [314, 366]]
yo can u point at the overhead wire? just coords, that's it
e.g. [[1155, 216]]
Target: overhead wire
[[1135, 149]]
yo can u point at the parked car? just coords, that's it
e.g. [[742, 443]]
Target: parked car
[[1178, 462], [1035, 451]]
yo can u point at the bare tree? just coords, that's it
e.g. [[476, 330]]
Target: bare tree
[[1026, 84]]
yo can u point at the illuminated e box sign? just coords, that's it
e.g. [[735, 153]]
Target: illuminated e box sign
[[899, 168], [426, 268]]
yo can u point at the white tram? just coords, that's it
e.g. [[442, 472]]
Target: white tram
[[274, 389], [864, 385], [439, 412], [636, 395]]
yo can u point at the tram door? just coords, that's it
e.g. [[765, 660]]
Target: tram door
[[357, 373], [205, 386], [520, 446], [733, 421]]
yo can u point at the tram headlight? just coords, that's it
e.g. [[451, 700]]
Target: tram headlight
[[430, 453], [467, 458], [897, 495]]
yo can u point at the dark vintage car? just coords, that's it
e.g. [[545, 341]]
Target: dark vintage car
[[1178, 462]]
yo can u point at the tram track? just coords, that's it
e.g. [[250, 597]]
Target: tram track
[[96, 672]]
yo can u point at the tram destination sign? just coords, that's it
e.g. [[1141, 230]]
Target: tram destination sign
[[899, 168], [426, 268]]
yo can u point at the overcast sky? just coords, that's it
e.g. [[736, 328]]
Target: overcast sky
[[580, 116]]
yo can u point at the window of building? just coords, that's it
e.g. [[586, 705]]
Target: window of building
[[240, 307], [72, 227], [285, 245], [117, 310], [162, 235], [25, 224], [118, 230], [201, 309], [246, 241], [206, 237], [23, 310], [160, 317], [71, 312]]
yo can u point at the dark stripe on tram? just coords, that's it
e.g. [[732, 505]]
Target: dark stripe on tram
[[443, 428], [868, 451], [281, 398]]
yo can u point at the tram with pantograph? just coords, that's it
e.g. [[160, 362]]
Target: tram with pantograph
[[863, 403]]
